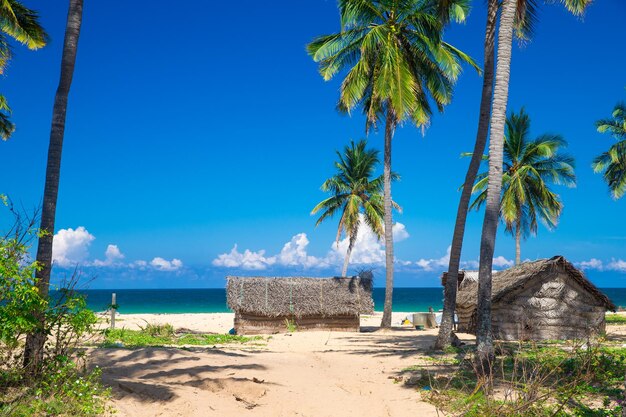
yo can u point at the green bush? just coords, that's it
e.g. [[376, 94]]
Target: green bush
[[59, 386], [615, 319], [531, 380], [148, 337]]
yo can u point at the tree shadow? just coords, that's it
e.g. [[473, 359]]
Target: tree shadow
[[152, 374]]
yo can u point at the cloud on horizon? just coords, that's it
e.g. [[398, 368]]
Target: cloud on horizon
[[70, 247], [618, 265], [367, 251]]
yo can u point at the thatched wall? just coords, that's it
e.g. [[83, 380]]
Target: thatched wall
[[262, 305], [546, 299]]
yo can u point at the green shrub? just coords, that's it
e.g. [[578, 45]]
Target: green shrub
[[58, 386], [531, 380], [615, 319], [148, 337]]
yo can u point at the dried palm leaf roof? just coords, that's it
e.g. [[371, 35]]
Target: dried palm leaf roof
[[300, 296], [518, 276]]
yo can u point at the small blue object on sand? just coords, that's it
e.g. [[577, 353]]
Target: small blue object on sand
[[232, 331]]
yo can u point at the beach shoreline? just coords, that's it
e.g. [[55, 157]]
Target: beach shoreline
[[215, 322]]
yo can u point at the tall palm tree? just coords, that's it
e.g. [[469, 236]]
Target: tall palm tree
[[450, 290], [510, 15], [33, 352], [21, 24], [613, 162], [355, 194], [525, 20], [530, 167], [395, 61]]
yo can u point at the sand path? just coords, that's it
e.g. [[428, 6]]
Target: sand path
[[312, 374]]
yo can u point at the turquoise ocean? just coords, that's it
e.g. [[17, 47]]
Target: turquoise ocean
[[213, 300]]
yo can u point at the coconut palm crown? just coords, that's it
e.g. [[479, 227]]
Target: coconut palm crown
[[21, 24], [612, 163], [530, 166], [356, 194], [394, 56]]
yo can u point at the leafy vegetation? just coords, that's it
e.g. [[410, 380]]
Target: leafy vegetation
[[530, 167], [612, 163], [615, 319], [60, 385], [355, 193], [21, 24], [531, 380], [164, 335]]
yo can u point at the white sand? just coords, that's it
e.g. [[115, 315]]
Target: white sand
[[313, 374]]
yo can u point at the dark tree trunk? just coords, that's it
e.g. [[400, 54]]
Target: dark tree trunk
[[484, 338], [33, 351], [449, 301], [389, 130]]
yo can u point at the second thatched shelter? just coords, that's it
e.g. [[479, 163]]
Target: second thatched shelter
[[270, 305], [540, 300]]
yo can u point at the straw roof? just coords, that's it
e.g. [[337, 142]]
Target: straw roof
[[300, 296], [518, 276]]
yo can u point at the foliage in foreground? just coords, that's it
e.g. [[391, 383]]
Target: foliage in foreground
[[61, 385], [615, 319], [155, 335], [530, 380]]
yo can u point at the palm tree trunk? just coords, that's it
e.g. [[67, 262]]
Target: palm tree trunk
[[518, 244], [389, 130], [33, 351], [484, 338], [344, 271], [449, 301]]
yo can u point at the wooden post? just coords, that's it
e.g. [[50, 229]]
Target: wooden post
[[113, 310]]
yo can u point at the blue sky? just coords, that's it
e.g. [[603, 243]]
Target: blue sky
[[194, 129]]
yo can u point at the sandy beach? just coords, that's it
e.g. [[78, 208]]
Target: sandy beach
[[313, 374]]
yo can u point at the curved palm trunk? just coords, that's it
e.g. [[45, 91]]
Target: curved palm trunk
[[484, 338], [518, 243], [346, 261], [449, 301], [33, 351], [389, 130]]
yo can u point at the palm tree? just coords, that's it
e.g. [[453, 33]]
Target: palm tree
[[613, 162], [510, 16], [525, 19], [33, 351], [355, 195], [449, 299], [395, 61], [530, 166], [21, 24]]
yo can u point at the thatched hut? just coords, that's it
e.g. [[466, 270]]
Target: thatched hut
[[540, 300], [265, 305]]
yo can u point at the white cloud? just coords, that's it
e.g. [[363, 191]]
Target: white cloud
[[294, 253], [592, 263], [71, 247], [617, 265], [139, 264], [245, 260], [399, 232], [165, 265], [502, 262], [112, 256], [367, 250], [435, 264]]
